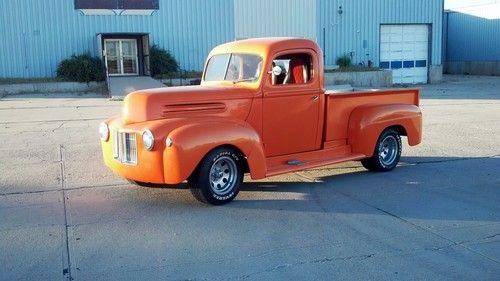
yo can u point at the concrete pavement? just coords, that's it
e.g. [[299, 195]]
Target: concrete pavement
[[63, 215], [120, 86]]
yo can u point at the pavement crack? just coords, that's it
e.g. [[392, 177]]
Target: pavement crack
[[59, 127], [306, 262], [67, 270], [492, 236], [52, 107], [51, 121], [457, 159], [58, 189]]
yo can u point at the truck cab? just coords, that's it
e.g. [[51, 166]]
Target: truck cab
[[261, 109], [288, 104]]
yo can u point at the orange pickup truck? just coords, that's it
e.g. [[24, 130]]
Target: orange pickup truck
[[261, 109]]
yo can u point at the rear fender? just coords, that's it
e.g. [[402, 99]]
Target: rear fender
[[366, 123], [193, 141]]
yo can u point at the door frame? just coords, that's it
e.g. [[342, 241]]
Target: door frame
[[120, 55], [142, 50]]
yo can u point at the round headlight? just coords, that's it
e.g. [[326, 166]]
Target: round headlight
[[148, 139], [104, 131]]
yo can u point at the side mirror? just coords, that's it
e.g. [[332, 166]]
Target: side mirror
[[277, 71]]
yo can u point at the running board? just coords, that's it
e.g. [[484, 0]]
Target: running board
[[308, 160]]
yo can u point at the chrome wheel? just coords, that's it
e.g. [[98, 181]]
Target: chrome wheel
[[388, 150], [223, 175]]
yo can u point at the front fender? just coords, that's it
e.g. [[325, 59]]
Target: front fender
[[193, 141], [366, 123]]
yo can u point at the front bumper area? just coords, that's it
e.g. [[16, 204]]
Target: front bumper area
[[125, 155]]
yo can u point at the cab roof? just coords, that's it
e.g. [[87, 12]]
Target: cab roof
[[265, 45]]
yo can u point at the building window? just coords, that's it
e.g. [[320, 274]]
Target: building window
[[118, 4], [117, 7]]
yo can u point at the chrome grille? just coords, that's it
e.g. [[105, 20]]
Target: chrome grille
[[116, 152], [125, 147]]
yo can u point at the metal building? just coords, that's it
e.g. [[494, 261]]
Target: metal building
[[401, 35], [37, 35], [472, 44]]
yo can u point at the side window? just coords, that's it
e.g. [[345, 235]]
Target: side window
[[295, 69]]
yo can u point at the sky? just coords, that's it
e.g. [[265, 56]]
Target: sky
[[489, 9]]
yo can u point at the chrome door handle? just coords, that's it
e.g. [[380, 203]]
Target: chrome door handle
[[315, 98]]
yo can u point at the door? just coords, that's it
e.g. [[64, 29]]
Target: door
[[121, 56], [405, 50], [291, 106]]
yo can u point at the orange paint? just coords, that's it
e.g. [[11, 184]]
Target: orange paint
[[268, 124]]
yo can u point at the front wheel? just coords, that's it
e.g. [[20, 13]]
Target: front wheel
[[218, 177], [386, 154]]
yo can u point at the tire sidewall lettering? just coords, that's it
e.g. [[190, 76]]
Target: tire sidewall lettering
[[223, 198], [226, 153]]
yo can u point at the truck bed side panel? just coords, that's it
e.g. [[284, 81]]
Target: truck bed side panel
[[339, 107]]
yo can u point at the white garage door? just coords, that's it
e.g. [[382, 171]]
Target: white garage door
[[404, 50]]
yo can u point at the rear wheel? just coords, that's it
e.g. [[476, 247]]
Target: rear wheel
[[386, 154], [218, 177]]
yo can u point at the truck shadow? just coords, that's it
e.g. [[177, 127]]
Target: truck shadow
[[449, 188], [445, 190]]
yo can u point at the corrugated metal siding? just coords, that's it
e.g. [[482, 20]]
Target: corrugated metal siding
[[471, 38], [258, 18], [361, 19], [37, 35]]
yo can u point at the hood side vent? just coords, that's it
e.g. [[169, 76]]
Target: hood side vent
[[200, 107]]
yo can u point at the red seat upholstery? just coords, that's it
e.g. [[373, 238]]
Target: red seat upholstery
[[297, 71]]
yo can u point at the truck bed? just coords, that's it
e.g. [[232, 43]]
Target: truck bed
[[341, 102]]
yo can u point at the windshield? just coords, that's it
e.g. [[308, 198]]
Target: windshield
[[233, 67]]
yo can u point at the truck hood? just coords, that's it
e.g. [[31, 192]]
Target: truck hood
[[187, 101]]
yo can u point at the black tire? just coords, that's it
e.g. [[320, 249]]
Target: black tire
[[386, 154], [218, 177]]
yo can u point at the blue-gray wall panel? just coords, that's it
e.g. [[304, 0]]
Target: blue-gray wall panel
[[37, 35], [471, 38], [258, 18], [361, 19]]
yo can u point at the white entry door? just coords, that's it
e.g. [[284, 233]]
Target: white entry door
[[121, 56], [405, 50]]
